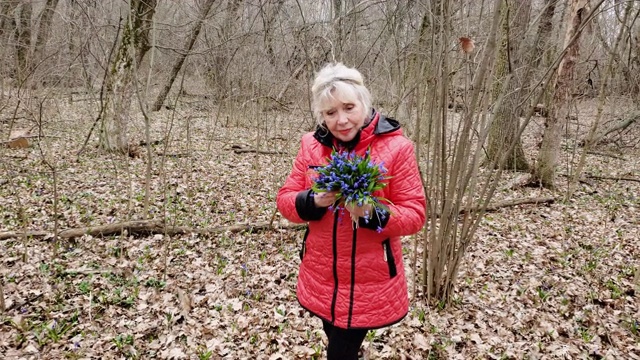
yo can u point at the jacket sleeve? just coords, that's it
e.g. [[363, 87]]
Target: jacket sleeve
[[405, 191], [294, 200]]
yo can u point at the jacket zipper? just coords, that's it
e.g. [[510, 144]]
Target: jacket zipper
[[335, 267], [387, 255], [353, 275]]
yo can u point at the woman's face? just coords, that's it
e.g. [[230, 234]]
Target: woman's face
[[343, 119]]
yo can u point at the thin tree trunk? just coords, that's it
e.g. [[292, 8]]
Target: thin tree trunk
[[539, 47], [157, 105], [44, 29], [336, 9], [218, 73], [6, 13], [268, 20], [601, 103], [23, 40], [505, 127], [545, 170]]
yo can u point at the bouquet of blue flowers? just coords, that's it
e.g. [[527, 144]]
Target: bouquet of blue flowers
[[355, 178]]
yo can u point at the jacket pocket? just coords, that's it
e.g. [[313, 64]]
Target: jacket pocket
[[388, 258], [303, 248]]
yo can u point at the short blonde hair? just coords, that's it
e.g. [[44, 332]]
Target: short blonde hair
[[336, 81]]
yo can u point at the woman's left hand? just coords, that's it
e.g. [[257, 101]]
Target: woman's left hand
[[359, 211]]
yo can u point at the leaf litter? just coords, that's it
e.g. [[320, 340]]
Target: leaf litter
[[549, 281]]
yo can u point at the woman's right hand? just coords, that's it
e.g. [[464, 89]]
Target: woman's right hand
[[324, 199]]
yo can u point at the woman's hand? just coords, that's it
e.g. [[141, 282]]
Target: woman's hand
[[325, 199], [359, 211]]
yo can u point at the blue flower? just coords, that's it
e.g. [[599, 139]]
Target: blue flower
[[354, 177], [379, 230]]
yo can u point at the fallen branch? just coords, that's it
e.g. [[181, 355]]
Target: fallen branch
[[620, 125], [175, 156], [617, 178], [265, 152], [514, 202], [24, 303], [131, 227], [251, 228], [600, 153], [2, 304], [147, 227]]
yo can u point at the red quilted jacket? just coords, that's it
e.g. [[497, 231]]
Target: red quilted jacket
[[355, 278]]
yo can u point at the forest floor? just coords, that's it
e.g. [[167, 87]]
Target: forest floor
[[546, 281]]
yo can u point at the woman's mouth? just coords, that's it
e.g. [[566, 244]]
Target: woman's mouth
[[345, 132]]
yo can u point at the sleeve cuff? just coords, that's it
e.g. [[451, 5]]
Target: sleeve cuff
[[376, 222], [306, 207]]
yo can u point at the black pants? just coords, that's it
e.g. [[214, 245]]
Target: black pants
[[344, 344]]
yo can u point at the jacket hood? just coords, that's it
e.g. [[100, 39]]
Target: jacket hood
[[379, 125]]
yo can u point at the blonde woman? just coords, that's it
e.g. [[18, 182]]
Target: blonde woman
[[352, 278]]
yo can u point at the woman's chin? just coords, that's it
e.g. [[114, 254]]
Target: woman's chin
[[343, 137]]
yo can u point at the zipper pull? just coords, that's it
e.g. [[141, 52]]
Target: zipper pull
[[384, 250]]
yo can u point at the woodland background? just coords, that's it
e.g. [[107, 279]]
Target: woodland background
[[144, 141]]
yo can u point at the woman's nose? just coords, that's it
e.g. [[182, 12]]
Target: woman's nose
[[342, 117]]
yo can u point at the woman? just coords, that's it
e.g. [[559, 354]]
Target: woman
[[352, 277]]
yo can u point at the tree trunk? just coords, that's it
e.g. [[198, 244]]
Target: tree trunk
[[269, 19], [539, 46], [7, 25], [44, 29], [115, 127], [77, 46], [157, 105], [505, 127], [23, 40], [545, 169], [143, 11], [336, 10], [219, 68], [6, 14]]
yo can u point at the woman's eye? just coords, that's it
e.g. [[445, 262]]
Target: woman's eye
[[330, 112], [350, 107]]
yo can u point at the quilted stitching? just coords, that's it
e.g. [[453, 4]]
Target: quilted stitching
[[379, 299]]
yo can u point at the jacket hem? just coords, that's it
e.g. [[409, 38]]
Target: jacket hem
[[393, 322]]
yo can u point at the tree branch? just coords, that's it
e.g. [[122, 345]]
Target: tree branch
[[146, 227]]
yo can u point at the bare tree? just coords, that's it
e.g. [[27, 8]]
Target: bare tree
[[157, 105], [133, 45], [545, 168], [44, 29], [269, 17], [539, 46], [337, 12], [23, 40], [504, 129], [452, 170], [217, 71]]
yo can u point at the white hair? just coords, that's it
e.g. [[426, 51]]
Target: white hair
[[336, 81]]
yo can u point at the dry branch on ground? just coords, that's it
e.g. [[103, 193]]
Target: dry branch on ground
[[146, 227]]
